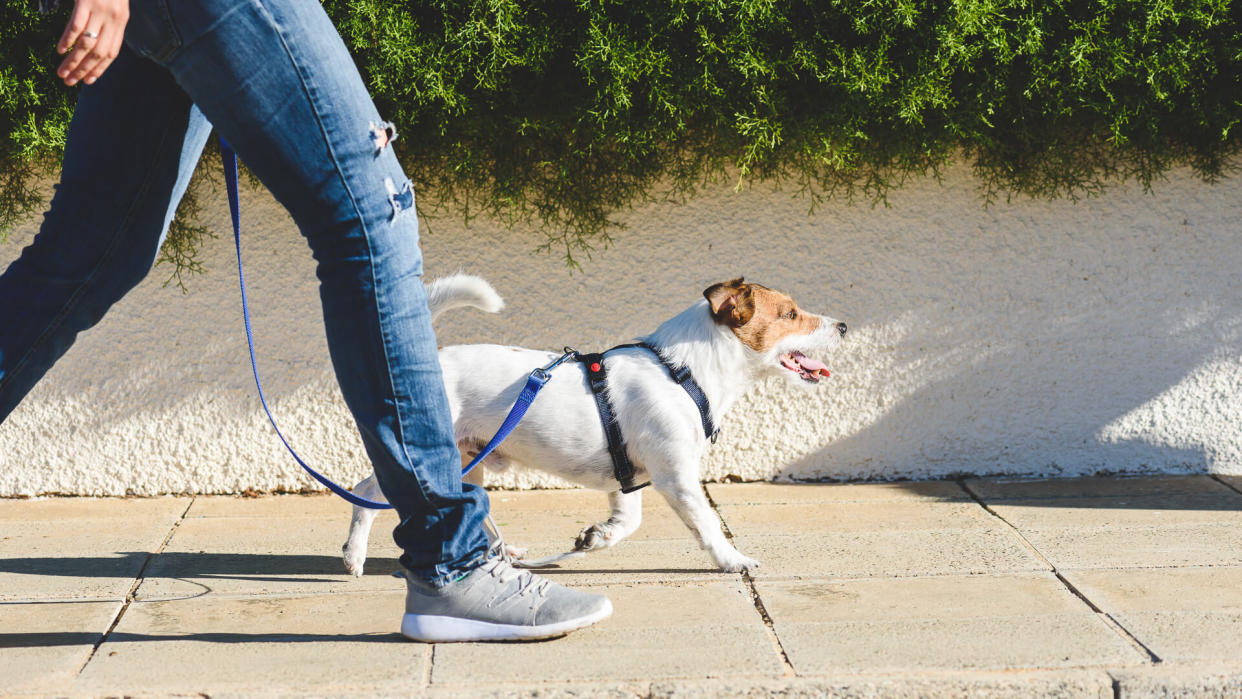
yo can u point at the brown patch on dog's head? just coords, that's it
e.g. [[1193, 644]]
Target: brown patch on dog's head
[[760, 317], [732, 302]]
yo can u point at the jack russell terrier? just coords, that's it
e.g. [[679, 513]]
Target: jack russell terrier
[[737, 334]]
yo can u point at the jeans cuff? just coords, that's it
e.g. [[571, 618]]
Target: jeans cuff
[[441, 575]]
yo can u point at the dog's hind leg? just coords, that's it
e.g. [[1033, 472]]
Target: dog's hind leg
[[685, 494], [355, 548], [627, 514]]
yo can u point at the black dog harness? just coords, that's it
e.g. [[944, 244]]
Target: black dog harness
[[597, 377]]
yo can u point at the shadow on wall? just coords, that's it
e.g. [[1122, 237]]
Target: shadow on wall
[[1111, 346]]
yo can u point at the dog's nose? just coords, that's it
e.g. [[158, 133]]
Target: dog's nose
[[841, 329]]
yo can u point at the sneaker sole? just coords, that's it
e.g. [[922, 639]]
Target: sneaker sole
[[429, 628]]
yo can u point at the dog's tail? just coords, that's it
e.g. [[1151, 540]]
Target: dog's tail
[[462, 291]]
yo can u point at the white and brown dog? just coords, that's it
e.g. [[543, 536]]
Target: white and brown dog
[[738, 333]]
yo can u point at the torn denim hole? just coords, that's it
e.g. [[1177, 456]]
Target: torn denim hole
[[382, 134], [401, 199]]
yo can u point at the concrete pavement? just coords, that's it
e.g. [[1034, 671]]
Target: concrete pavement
[[1089, 587]]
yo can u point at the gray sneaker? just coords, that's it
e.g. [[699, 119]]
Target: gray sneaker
[[497, 602]]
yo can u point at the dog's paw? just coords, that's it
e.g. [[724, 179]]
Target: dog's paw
[[737, 563], [354, 561], [596, 536], [515, 552]]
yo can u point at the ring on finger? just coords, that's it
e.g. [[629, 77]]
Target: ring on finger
[[90, 34]]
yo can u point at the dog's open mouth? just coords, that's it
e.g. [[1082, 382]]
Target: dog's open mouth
[[805, 367]]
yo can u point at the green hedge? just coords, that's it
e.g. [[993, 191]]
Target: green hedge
[[564, 111]]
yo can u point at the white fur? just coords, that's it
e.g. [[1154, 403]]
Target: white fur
[[561, 433]]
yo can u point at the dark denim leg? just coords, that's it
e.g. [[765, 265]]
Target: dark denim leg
[[277, 82], [131, 148]]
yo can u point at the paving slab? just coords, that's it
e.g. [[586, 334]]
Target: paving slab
[[989, 685], [265, 556], [1139, 547], [320, 644], [1202, 681], [1181, 614], [783, 493], [326, 505], [702, 630], [955, 622], [79, 548], [555, 517], [1126, 511], [43, 645], [52, 509], [989, 489], [891, 553], [598, 689], [914, 535], [876, 516], [636, 561], [1234, 482]]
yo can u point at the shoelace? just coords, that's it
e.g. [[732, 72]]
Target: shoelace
[[500, 566]]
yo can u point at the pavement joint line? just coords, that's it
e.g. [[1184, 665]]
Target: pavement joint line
[[749, 581], [1216, 477], [129, 596], [429, 657], [1107, 618]]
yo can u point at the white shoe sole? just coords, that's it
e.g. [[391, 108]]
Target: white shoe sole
[[446, 629]]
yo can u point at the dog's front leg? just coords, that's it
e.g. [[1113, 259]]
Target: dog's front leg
[[355, 548], [686, 497], [627, 514]]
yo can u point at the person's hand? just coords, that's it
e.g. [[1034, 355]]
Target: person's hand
[[92, 39]]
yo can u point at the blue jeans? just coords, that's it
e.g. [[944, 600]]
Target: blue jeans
[[275, 79]]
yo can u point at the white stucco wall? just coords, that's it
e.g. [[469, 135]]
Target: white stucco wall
[[1030, 337]]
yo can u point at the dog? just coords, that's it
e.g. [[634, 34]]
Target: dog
[[737, 334]]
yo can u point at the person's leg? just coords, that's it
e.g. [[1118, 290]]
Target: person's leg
[[278, 84], [131, 148]]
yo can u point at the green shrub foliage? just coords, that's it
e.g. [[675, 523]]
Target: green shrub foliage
[[561, 112]]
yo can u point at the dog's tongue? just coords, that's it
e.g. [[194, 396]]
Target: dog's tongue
[[810, 366]]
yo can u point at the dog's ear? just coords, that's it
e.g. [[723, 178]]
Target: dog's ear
[[732, 302]]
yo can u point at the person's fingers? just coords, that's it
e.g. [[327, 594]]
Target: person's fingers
[[80, 51], [113, 47], [74, 28], [92, 39], [98, 57]]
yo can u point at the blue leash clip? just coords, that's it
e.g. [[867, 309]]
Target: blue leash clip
[[534, 382]]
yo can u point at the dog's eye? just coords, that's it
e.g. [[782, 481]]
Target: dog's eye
[[791, 314]]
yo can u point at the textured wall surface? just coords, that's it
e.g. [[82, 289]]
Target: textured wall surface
[[1047, 338]]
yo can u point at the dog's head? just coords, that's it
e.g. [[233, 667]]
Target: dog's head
[[771, 324]]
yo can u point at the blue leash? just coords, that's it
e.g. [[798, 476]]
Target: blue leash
[[534, 382]]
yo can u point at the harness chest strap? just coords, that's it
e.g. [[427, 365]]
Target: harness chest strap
[[597, 378], [683, 377]]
